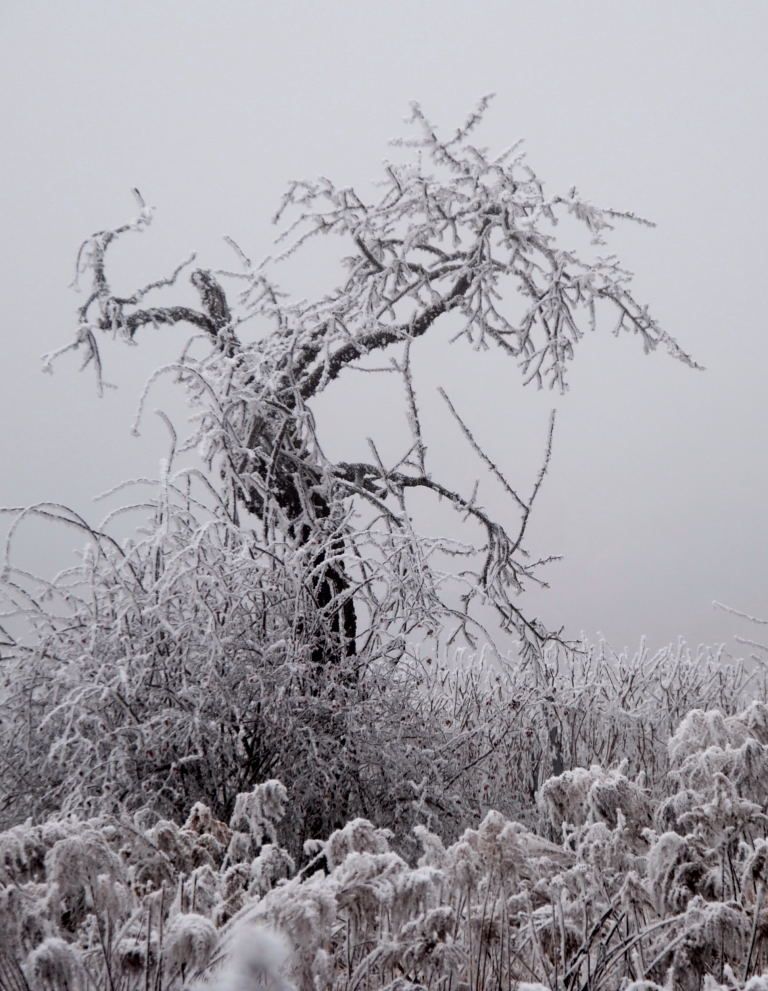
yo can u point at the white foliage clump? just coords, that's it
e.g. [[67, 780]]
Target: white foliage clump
[[463, 865], [55, 965], [136, 956], [500, 847], [358, 836], [202, 823], [256, 812], [700, 730], [367, 885], [258, 959], [433, 851], [272, 865], [85, 875], [580, 796], [199, 891], [609, 852], [565, 795], [22, 849], [306, 912], [424, 945], [189, 942]]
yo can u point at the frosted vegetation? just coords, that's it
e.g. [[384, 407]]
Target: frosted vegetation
[[232, 752], [647, 871]]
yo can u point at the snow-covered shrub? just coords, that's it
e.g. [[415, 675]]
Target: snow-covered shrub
[[171, 683], [615, 901]]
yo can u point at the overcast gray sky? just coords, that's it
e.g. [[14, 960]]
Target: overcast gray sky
[[657, 493]]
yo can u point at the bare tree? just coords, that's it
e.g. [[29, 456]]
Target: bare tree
[[454, 230], [283, 552]]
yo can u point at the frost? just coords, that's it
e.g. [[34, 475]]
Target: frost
[[189, 942], [258, 961], [241, 750]]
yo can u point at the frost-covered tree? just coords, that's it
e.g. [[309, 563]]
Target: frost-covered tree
[[276, 591], [456, 228]]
